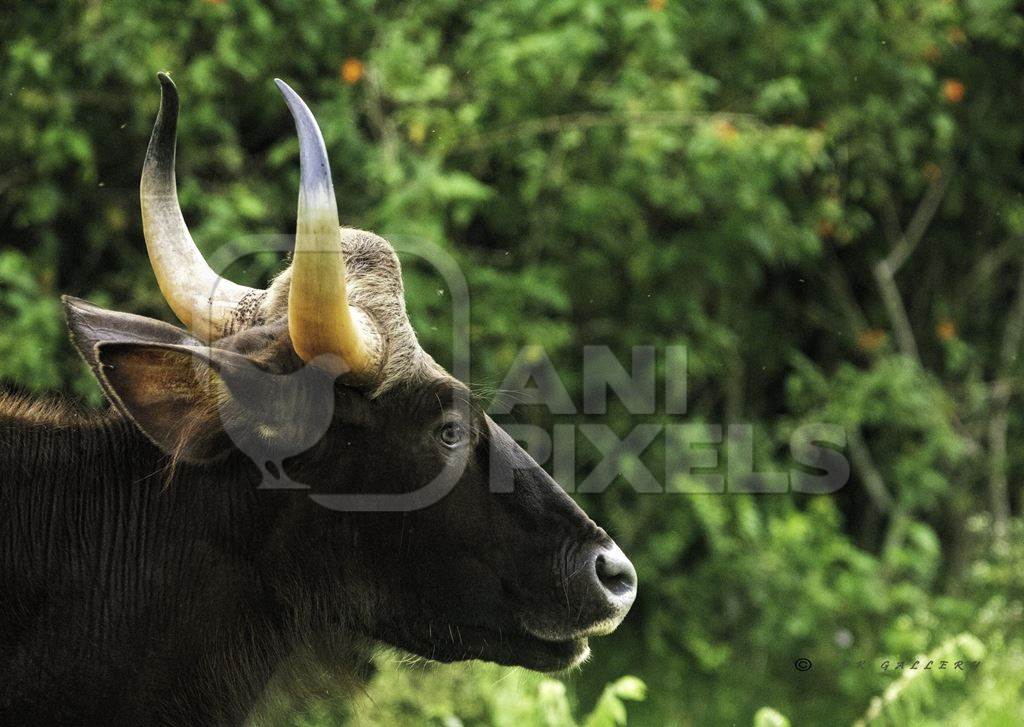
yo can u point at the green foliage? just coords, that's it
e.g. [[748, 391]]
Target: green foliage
[[738, 177], [610, 710], [768, 717], [908, 698], [28, 340], [462, 696]]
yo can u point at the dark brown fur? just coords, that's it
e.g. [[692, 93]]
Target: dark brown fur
[[140, 586]]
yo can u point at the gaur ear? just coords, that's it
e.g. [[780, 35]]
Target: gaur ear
[[177, 395], [90, 325], [197, 402], [157, 375]]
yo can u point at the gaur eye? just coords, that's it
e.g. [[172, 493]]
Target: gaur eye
[[453, 434]]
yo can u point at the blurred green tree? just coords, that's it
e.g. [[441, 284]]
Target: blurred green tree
[[821, 200]]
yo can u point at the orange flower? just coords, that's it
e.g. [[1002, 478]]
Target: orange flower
[[946, 330], [352, 71], [726, 131], [957, 35], [932, 172], [953, 89], [656, 5], [825, 228], [870, 340]]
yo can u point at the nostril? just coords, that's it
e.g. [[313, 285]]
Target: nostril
[[615, 572], [608, 590]]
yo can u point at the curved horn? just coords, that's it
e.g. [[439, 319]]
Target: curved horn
[[201, 299], [320, 319]]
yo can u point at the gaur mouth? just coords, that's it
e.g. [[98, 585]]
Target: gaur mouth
[[511, 647], [543, 655]]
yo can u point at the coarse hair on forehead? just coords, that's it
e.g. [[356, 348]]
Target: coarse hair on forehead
[[374, 284]]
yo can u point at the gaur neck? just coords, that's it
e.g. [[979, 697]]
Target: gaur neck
[[110, 560]]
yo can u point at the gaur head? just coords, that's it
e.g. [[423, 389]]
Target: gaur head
[[406, 514]]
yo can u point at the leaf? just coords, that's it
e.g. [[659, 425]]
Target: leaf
[[768, 717]]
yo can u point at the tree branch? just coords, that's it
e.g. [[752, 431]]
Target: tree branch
[[893, 301], [1001, 391], [903, 245], [869, 472], [998, 481], [835, 276]]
